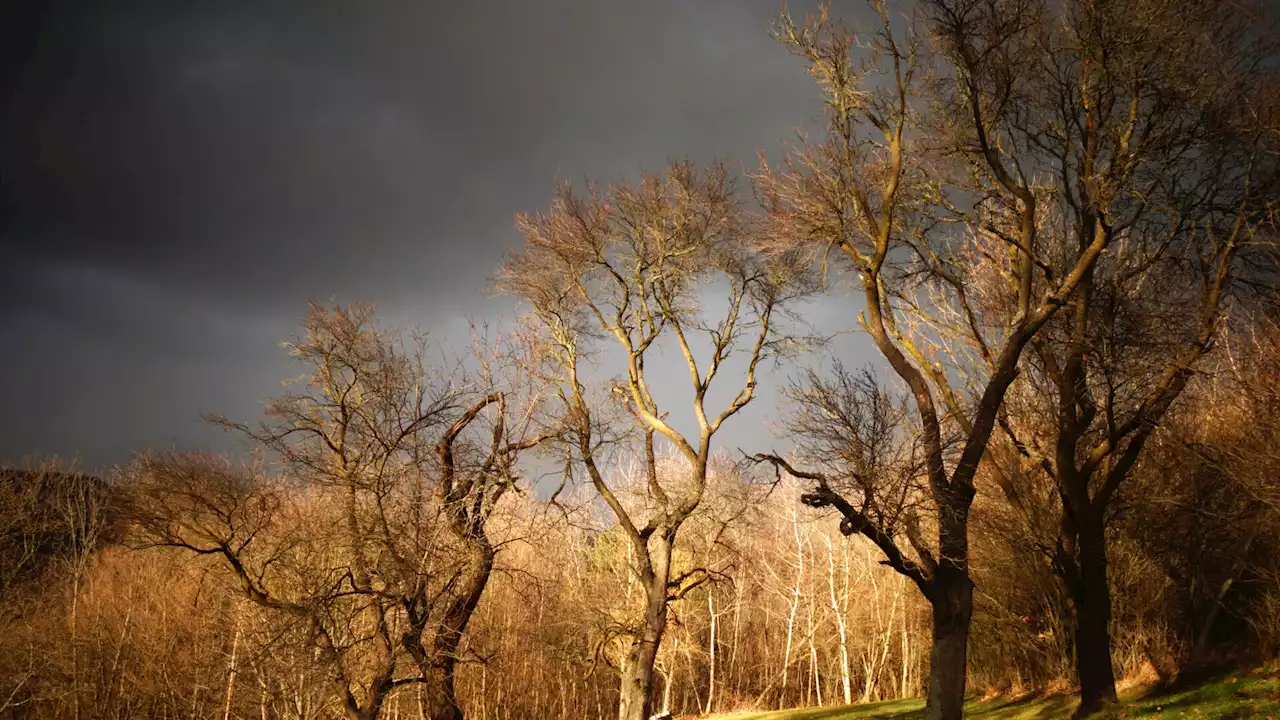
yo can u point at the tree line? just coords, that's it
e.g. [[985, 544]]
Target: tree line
[[1054, 223]]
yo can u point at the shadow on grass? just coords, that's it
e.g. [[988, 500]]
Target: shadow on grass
[[1028, 707]]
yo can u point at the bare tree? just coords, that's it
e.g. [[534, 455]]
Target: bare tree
[[1031, 136], [383, 568], [1141, 124], [627, 264], [866, 193]]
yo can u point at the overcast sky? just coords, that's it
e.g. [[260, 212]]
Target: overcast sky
[[180, 178]]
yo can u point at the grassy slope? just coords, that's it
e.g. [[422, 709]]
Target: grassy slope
[[1256, 695]]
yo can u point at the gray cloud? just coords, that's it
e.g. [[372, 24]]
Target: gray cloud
[[181, 177]]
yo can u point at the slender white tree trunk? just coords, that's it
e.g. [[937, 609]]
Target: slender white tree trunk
[[813, 656], [231, 666], [906, 661], [795, 601], [870, 667], [735, 673], [711, 653], [838, 609]]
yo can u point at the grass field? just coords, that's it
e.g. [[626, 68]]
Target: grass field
[[1251, 695]]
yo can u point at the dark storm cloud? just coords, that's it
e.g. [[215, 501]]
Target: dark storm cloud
[[180, 177]]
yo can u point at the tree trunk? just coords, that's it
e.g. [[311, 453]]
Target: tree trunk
[[441, 697], [438, 700], [1092, 599], [839, 608], [952, 600], [711, 653], [231, 666], [635, 695]]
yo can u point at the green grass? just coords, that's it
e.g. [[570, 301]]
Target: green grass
[[1237, 697]]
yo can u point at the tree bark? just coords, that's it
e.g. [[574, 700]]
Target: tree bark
[[440, 700], [1092, 600], [635, 695], [441, 696], [952, 601]]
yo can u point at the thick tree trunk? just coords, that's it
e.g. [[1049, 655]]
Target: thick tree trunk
[[441, 698], [1092, 599], [635, 695], [952, 600], [440, 701]]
